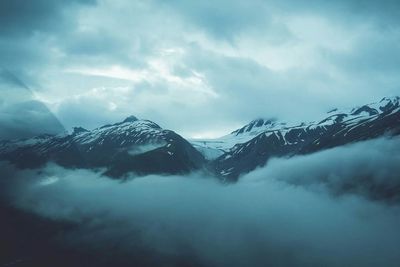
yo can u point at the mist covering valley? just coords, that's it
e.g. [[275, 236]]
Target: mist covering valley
[[339, 207]]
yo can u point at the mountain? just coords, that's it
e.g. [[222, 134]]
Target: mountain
[[213, 148], [133, 145], [252, 145], [143, 147]]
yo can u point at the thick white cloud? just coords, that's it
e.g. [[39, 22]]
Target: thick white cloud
[[316, 210]]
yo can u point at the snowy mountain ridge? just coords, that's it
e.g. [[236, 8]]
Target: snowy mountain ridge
[[143, 147], [257, 143], [133, 145], [213, 148]]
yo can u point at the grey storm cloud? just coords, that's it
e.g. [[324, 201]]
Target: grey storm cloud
[[225, 19], [224, 63], [18, 17], [27, 26], [385, 12], [287, 214]]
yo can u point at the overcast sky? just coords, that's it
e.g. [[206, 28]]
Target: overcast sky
[[201, 68]]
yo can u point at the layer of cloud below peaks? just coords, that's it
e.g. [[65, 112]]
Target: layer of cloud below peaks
[[294, 212]]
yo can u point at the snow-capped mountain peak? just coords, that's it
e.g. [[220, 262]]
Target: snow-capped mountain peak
[[142, 146], [130, 119], [389, 102], [347, 120], [79, 130], [339, 127], [255, 126], [132, 145]]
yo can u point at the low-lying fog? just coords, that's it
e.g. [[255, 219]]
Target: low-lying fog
[[339, 207]]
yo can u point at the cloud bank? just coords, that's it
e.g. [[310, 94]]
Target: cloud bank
[[316, 210]]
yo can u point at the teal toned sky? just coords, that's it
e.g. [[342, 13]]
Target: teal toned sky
[[201, 68]]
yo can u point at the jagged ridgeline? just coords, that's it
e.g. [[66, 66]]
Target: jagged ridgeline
[[260, 140], [133, 145], [31, 137], [142, 147]]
